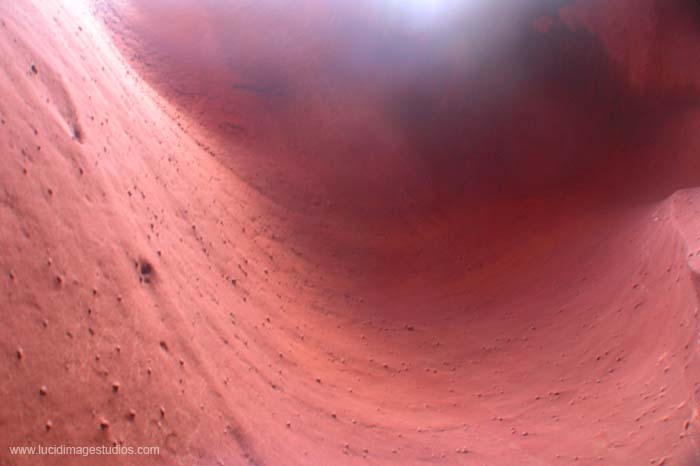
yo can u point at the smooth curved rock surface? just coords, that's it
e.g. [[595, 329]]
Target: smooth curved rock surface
[[325, 232]]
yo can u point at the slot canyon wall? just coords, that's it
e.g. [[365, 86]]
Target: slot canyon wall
[[375, 232]]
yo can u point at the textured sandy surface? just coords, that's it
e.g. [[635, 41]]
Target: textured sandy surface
[[262, 233]]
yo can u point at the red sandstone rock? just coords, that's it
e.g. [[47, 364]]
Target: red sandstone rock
[[470, 231]]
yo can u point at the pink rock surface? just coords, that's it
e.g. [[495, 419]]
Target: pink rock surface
[[325, 232]]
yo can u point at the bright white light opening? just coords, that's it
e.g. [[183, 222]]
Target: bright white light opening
[[417, 13]]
